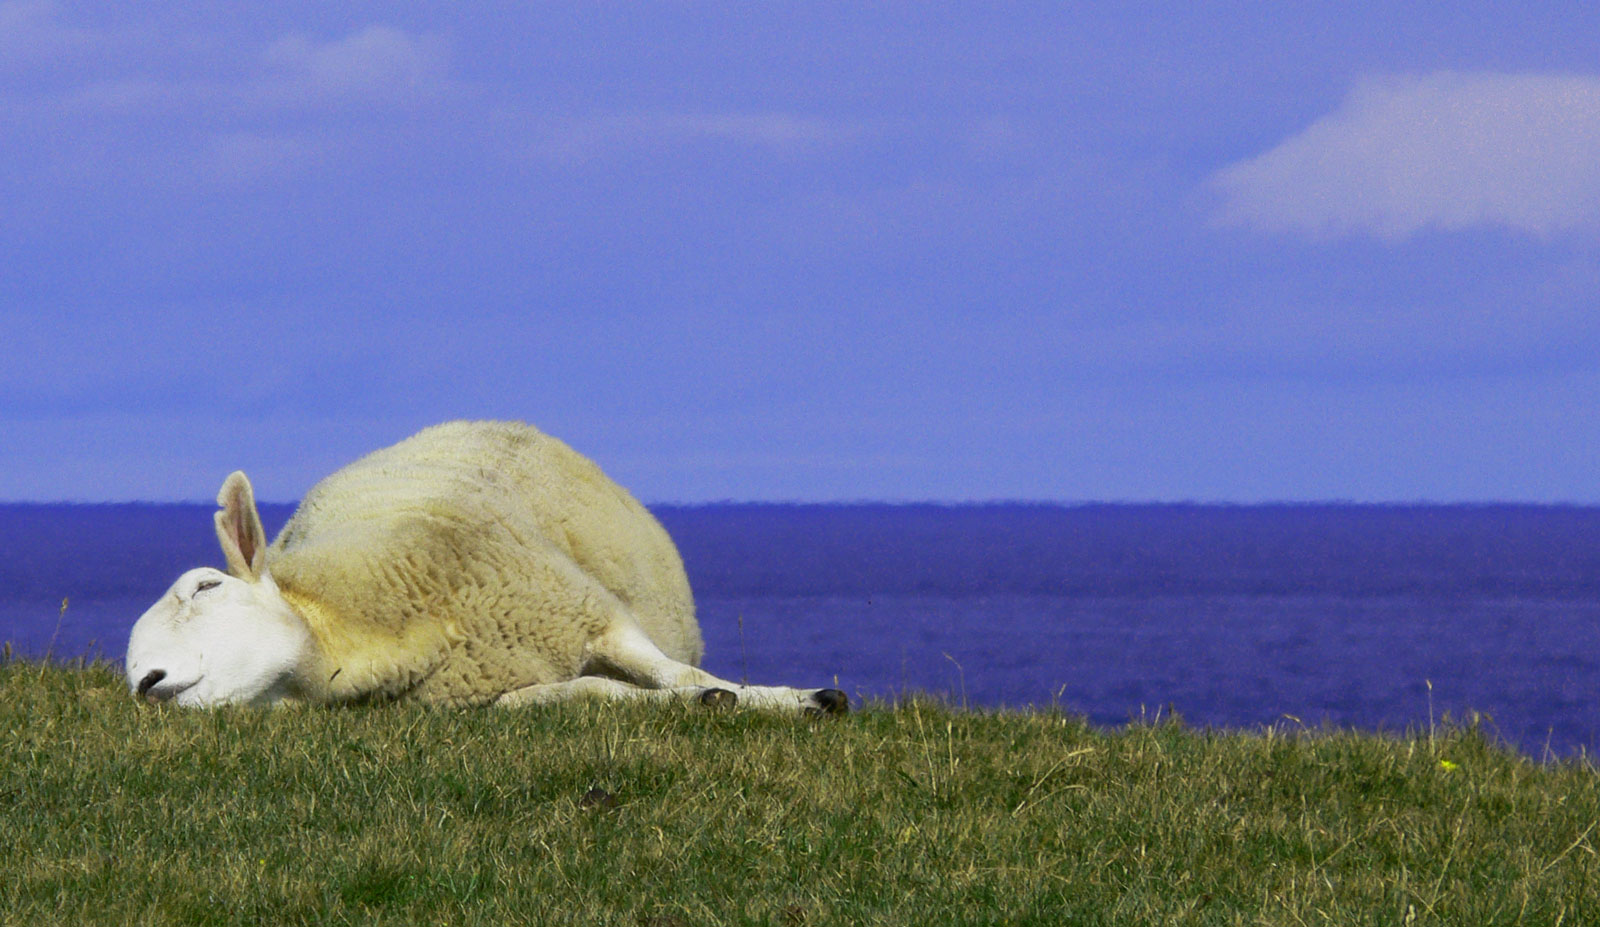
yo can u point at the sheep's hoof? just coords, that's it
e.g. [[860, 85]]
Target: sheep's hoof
[[718, 699], [830, 702]]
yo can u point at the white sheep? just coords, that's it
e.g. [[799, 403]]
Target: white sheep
[[472, 563]]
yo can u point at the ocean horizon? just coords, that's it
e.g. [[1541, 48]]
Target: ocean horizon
[[1376, 616]]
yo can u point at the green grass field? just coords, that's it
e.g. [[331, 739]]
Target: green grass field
[[116, 812]]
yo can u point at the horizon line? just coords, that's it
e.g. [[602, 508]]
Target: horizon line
[[998, 502]]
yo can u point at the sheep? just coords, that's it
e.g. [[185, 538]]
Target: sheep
[[473, 563]]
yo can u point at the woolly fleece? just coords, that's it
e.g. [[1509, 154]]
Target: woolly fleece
[[470, 560]]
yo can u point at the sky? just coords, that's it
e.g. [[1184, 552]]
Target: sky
[[808, 251]]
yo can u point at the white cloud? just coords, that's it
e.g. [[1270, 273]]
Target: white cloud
[[1444, 151], [205, 113], [379, 63], [378, 66], [30, 34]]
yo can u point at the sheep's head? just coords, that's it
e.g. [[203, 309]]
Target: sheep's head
[[216, 638]]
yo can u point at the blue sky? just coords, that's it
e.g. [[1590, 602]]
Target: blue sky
[[808, 251]]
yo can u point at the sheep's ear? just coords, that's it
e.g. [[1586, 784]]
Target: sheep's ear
[[244, 542]]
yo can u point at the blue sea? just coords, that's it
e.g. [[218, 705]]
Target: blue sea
[[1378, 617]]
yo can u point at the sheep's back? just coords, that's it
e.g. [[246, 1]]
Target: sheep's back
[[501, 542]]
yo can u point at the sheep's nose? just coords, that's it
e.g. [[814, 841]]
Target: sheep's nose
[[148, 682]]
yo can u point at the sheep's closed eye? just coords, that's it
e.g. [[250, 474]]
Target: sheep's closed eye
[[207, 584]]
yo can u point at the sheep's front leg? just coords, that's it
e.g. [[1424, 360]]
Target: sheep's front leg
[[629, 653]]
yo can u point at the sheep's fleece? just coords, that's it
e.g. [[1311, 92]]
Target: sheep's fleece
[[471, 560]]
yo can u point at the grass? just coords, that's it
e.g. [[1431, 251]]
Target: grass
[[117, 812]]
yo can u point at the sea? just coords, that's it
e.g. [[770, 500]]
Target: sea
[[1387, 618]]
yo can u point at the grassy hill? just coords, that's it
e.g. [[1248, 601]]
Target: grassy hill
[[116, 812]]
